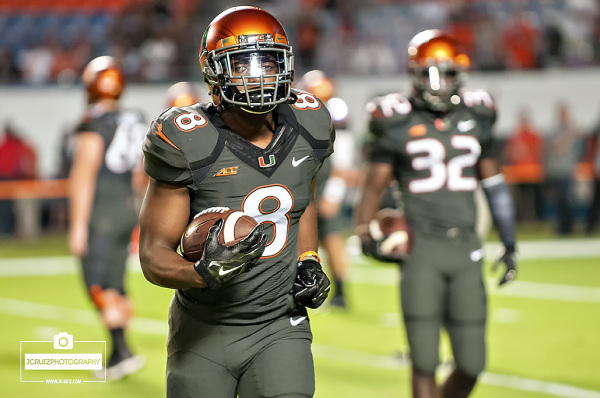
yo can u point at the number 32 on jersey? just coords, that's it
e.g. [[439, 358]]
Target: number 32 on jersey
[[431, 155]]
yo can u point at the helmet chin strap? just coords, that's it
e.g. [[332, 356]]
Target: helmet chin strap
[[259, 110], [432, 102], [255, 110]]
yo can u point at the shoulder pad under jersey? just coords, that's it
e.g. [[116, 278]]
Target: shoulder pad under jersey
[[480, 102], [387, 109], [314, 120], [177, 138], [312, 114]]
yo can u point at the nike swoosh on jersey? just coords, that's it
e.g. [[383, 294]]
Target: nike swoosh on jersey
[[296, 322], [465, 125], [296, 163]]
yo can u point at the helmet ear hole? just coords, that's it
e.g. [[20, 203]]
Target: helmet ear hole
[[215, 95]]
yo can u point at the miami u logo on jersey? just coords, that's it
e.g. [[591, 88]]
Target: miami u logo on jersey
[[263, 164]]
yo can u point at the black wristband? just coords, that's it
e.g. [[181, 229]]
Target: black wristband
[[202, 270]]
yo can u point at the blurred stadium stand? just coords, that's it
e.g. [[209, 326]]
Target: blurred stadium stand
[[44, 45]]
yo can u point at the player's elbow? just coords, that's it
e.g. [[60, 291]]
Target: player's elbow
[[149, 268]]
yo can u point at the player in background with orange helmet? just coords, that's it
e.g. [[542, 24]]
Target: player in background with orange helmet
[[438, 143], [105, 178], [238, 320], [336, 181], [182, 94]]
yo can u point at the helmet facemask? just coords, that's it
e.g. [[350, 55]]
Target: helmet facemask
[[437, 66], [255, 74], [436, 84]]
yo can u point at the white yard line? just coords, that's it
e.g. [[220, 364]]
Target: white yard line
[[560, 248], [55, 313], [361, 275]]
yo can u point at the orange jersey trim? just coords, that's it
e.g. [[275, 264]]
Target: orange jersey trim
[[164, 137]]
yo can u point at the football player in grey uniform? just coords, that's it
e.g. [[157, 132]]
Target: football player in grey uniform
[[105, 179], [238, 320], [438, 145], [335, 182]]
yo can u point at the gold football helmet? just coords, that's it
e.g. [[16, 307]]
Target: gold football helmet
[[103, 78], [247, 60], [436, 65], [181, 94], [318, 83]]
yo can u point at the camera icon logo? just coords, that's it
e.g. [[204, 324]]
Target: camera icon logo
[[63, 341]]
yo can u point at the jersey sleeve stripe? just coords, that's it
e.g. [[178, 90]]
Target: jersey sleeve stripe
[[162, 135]]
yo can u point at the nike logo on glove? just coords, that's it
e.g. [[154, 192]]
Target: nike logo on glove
[[223, 272], [296, 163], [296, 322]]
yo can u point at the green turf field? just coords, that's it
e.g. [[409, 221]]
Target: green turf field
[[543, 329]]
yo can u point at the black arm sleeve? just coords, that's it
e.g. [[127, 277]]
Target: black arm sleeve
[[502, 208]]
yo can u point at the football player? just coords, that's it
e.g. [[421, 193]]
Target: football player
[[333, 180], [106, 174], [181, 94], [238, 320], [439, 145]]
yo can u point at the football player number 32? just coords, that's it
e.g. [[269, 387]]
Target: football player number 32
[[278, 217], [441, 173]]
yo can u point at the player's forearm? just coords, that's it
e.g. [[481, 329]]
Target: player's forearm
[[164, 267], [82, 189], [377, 180], [501, 207], [308, 237], [366, 209]]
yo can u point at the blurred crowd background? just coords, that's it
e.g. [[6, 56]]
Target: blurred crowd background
[[554, 173], [49, 42]]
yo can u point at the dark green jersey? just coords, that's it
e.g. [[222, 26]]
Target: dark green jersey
[[123, 133], [434, 156], [193, 147]]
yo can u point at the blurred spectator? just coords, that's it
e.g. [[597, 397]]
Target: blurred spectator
[[461, 27], [36, 63], [561, 158], [593, 157], [578, 21], [524, 153], [335, 36], [520, 37], [157, 54], [18, 161], [488, 50], [307, 40], [553, 39], [9, 71]]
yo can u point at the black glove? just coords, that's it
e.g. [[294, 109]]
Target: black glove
[[311, 286], [372, 248], [510, 261], [219, 263]]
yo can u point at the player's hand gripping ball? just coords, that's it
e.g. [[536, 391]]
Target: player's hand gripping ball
[[223, 243], [389, 237], [236, 226]]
